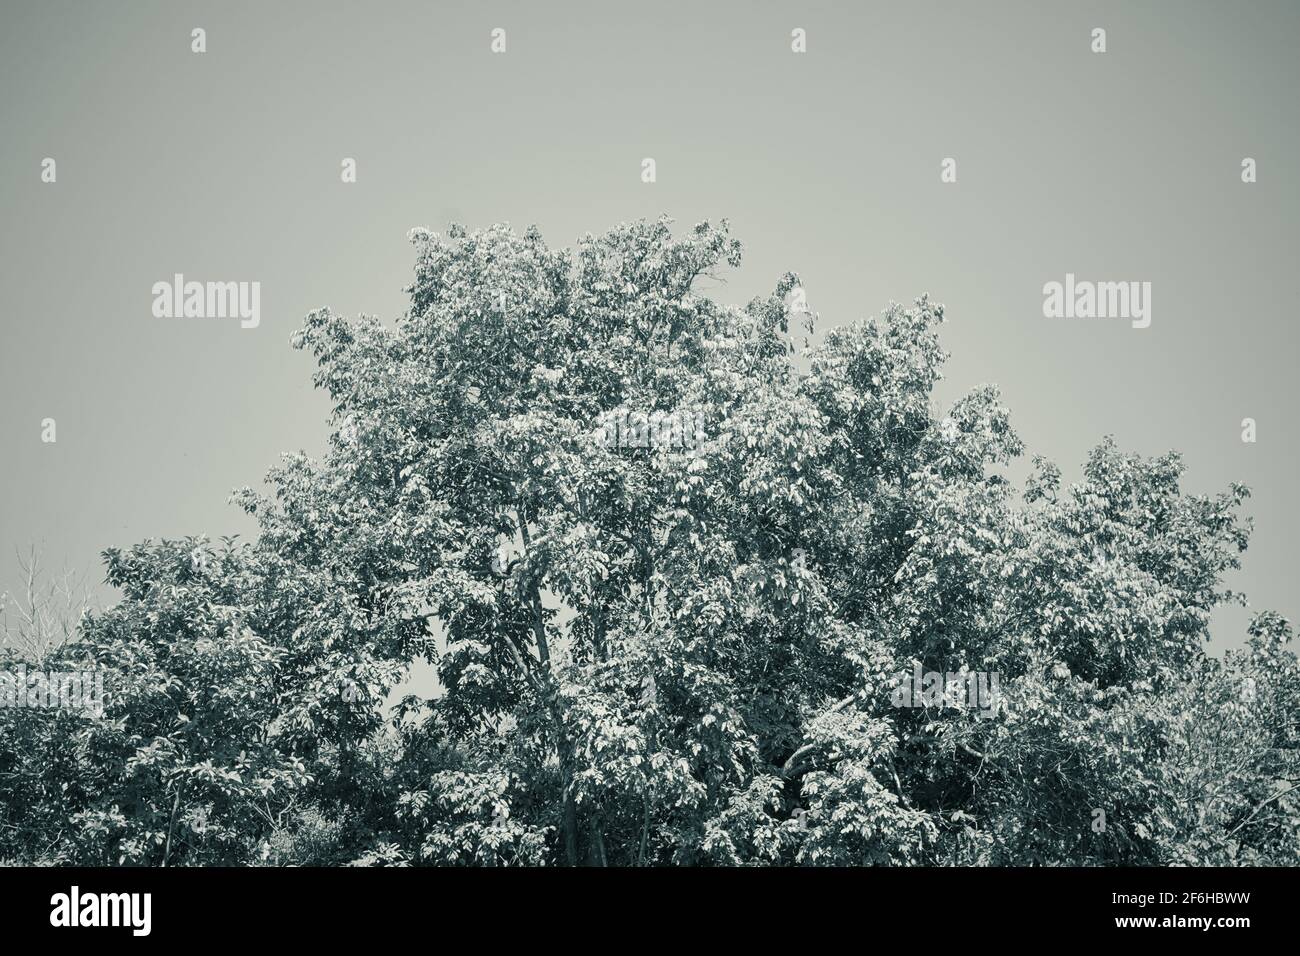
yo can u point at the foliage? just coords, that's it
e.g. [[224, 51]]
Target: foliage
[[682, 654]]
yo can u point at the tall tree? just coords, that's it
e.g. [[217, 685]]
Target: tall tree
[[674, 582]]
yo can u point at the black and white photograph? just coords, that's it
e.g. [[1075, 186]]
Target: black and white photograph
[[767, 449]]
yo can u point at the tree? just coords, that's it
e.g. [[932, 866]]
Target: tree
[[46, 614], [684, 643], [184, 762]]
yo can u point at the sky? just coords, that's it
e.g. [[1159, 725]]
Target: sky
[[225, 165]]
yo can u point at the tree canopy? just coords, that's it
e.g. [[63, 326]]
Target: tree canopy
[[680, 651]]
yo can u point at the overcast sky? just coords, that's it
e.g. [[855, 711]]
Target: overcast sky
[[225, 165]]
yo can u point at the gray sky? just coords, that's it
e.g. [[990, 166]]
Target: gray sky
[[225, 166]]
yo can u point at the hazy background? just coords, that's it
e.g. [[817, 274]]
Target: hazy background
[[225, 166]]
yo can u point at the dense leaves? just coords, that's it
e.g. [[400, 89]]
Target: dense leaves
[[666, 652]]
